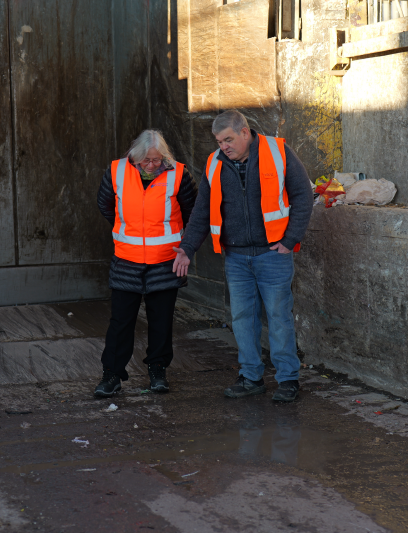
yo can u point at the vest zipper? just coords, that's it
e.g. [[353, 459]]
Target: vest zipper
[[245, 198]]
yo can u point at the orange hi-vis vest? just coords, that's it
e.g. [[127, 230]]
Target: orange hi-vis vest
[[274, 198], [148, 222]]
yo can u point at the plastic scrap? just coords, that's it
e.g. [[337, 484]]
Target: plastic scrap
[[192, 474], [377, 412], [86, 470], [358, 401], [111, 408], [70, 314], [79, 441], [25, 425], [323, 376], [135, 426], [145, 391], [328, 190]]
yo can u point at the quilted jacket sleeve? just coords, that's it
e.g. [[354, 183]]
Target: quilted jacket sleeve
[[106, 197], [187, 195]]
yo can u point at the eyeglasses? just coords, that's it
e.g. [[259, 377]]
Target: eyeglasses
[[155, 161]]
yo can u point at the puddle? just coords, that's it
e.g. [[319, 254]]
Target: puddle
[[282, 442]]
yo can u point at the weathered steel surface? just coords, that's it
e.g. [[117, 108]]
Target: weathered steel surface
[[79, 92], [7, 254], [246, 65], [53, 283], [61, 53], [130, 30], [218, 46]]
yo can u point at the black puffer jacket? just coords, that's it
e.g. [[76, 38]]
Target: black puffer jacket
[[139, 277]]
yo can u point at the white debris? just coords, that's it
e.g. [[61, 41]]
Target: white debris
[[370, 192], [25, 425], [70, 314], [135, 426], [193, 474], [86, 469], [347, 179], [112, 408], [79, 441]]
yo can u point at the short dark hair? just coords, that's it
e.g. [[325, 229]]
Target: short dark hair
[[230, 119]]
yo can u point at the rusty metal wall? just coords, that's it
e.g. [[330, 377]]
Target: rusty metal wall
[[78, 97], [7, 253]]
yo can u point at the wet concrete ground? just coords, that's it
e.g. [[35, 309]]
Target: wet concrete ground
[[191, 460]]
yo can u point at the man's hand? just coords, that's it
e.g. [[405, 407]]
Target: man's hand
[[181, 262], [278, 246]]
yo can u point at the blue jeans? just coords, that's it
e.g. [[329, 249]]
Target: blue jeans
[[267, 277]]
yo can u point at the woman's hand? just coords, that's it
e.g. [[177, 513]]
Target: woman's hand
[[181, 262]]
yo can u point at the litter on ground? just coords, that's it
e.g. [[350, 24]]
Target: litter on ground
[[192, 474], [79, 441], [112, 408]]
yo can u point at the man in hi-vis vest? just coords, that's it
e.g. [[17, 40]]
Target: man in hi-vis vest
[[256, 200]]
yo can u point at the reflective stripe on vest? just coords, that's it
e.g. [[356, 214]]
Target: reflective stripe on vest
[[214, 180], [272, 170], [138, 242], [120, 178], [283, 212]]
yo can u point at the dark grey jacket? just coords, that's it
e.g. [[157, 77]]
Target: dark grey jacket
[[243, 230], [137, 277]]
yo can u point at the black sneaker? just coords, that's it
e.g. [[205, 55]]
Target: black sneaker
[[287, 391], [157, 375], [109, 384], [245, 387]]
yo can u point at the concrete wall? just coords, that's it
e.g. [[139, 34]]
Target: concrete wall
[[351, 292], [73, 96], [351, 274], [375, 119]]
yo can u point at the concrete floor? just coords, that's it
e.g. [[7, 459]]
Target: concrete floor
[[191, 460]]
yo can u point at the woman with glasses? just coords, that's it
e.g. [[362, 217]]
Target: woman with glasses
[[147, 197]]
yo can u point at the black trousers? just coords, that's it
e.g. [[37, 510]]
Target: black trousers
[[121, 332]]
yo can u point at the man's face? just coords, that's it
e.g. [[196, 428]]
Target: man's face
[[234, 145]]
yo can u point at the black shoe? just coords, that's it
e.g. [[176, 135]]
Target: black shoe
[[109, 384], [157, 375], [245, 387], [287, 391]]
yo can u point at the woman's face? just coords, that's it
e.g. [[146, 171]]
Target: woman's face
[[152, 161]]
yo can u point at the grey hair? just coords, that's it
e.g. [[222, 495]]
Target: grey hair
[[146, 140], [229, 119]]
